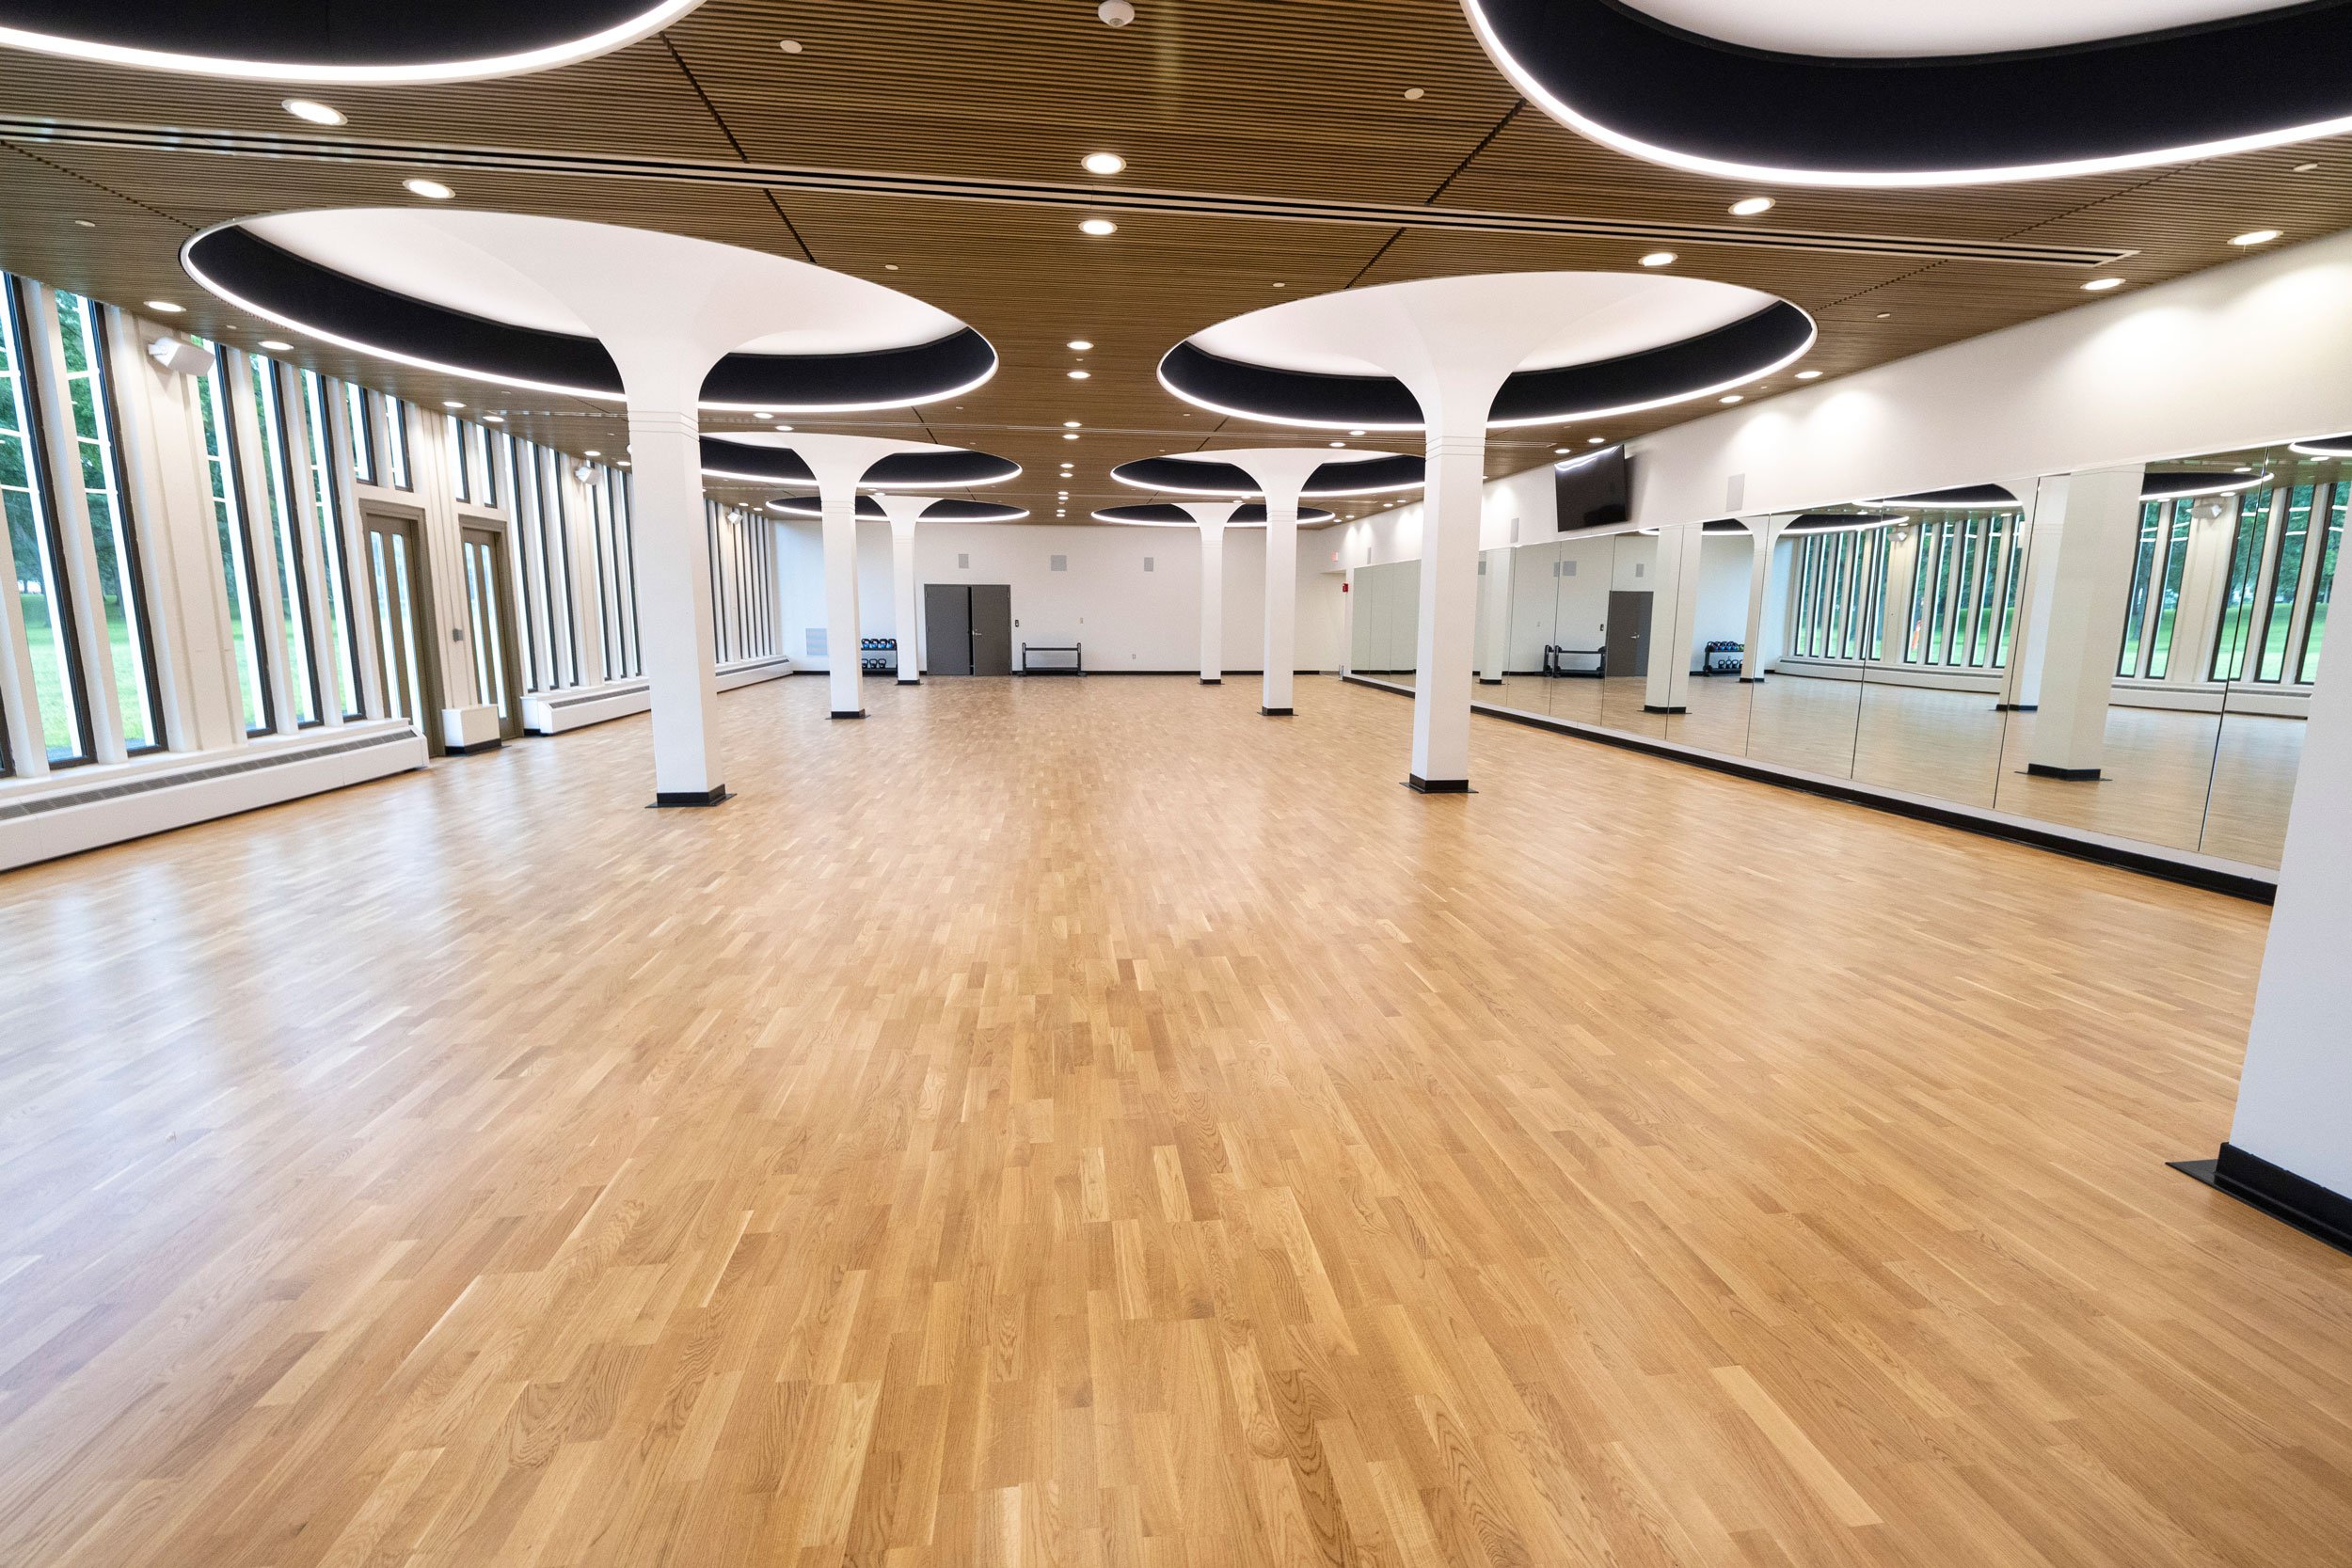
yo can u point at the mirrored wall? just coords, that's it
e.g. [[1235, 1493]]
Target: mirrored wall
[[2155, 691]]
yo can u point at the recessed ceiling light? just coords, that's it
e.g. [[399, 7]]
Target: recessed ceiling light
[[276, 345], [1080, 344], [1355, 433], [1281, 285], [83, 223], [784, 427], [493, 418], [592, 452], [2305, 168], [2241, 468], [1731, 397], [1079, 375], [624, 461], [1338, 443], [1589, 440], [1102, 162], [1069, 435], [1659, 259], [1809, 375], [313, 110], [1886, 315], [451, 403], [432, 190], [1098, 227], [1072, 424], [790, 46], [166, 307], [2101, 285], [1557, 451], [1747, 207], [763, 414], [1414, 93], [890, 266], [2255, 236]]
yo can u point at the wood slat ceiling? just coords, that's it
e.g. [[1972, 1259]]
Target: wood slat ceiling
[[1217, 97]]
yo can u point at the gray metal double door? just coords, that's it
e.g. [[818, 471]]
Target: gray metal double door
[[967, 628]]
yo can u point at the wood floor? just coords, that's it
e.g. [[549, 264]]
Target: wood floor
[[1084, 1122]]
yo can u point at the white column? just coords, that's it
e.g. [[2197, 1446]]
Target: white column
[[837, 489], [2291, 1133], [673, 603], [902, 600], [2044, 523], [1452, 501], [1494, 614], [1213, 600], [1761, 537], [2091, 581], [1282, 594], [1675, 618]]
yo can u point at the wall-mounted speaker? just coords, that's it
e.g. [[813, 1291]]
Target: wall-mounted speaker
[[179, 356]]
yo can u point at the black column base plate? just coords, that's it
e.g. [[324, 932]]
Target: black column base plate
[[1647, 708], [1274, 712], [2017, 707], [1439, 786], [905, 682], [1212, 680], [690, 797], [859, 714], [2317, 1212], [2073, 775]]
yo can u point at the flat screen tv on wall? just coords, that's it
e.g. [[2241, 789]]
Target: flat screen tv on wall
[[1595, 490]]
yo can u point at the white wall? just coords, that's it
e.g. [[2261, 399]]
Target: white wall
[[2246, 355], [1126, 617]]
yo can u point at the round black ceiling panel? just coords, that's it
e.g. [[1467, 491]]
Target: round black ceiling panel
[[324, 302], [2175, 484], [1926, 92], [1194, 476], [1965, 498], [1168, 515], [1742, 349], [954, 508], [330, 41], [2323, 446], [1833, 522]]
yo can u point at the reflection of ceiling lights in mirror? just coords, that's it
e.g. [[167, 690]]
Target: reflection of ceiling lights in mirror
[[314, 111], [1104, 163], [1098, 227], [432, 190]]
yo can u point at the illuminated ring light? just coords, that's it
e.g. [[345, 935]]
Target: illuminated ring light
[[2180, 484], [326, 43], [1168, 515], [1843, 522], [1742, 351], [1194, 476], [1965, 498], [947, 509], [954, 469], [1861, 116], [320, 302], [2323, 446]]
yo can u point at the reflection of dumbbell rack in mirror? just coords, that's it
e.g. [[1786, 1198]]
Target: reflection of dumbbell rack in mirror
[[877, 654], [1557, 665]]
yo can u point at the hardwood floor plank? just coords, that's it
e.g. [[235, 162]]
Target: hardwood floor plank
[[1081, 1123]]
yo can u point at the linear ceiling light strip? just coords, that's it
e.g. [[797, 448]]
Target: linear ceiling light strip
[[1020, 193]]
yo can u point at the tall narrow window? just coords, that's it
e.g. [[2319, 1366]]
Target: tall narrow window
[[2016, 587], [624, 527], [114, 538], [328, 505], [2237, 598], [396, 444], [486, 485], [2315, 628], [460, 460], [360, 417], [2168, 611], [285, 541], [1923, 570], [2286, 584], [2143, 582], [26, 489], [556, 560], [236, 559]]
